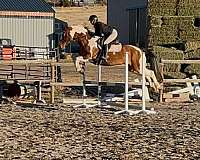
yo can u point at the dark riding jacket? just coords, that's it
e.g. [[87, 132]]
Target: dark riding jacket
[[102, 29]]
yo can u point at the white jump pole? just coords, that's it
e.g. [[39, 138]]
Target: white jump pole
[[126, 89], [84, 95], [84, 104], [143, 90], [126, 83], [99, 86], [100, 104]]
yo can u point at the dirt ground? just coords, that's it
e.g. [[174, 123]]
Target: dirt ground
[[61, 132], [80, 15]]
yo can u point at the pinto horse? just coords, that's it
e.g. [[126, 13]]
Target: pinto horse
[[89, 50]]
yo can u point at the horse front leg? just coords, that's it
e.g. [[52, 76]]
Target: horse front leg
[[80, 64]]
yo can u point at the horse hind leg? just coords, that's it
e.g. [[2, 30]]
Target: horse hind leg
[[149, 74], [130, 68], [150, 82]]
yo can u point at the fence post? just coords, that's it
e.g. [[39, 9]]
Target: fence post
[[52, 80], [162, 74]]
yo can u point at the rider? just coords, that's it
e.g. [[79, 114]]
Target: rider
[[107, 33]]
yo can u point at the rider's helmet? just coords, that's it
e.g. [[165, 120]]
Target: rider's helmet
[[93, 19]]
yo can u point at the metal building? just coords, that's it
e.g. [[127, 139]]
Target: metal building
[[27, 22], [130, 19]]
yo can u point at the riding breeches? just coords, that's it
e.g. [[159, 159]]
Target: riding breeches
[[112, 37]]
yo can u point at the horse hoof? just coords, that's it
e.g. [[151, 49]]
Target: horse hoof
[[81, 71]]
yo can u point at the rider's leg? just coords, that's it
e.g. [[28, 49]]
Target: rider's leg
[[100, 45], [104, 51], [110, 38]]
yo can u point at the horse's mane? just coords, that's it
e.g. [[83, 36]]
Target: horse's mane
[[79, 29]]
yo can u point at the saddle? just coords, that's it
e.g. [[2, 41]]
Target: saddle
[[115, 47]]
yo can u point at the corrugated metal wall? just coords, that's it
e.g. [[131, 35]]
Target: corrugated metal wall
[[28, 31]]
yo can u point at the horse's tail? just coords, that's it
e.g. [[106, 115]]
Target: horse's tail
[[153, 61]]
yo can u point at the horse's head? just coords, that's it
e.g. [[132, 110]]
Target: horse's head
[[66, 37], [88, 49], [69, 33]]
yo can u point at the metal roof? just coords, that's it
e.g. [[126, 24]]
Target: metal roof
[[25, 6]]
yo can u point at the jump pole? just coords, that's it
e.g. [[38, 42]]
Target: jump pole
[[84, 95], [100, 104], [126, 110], [99, 90], [144, 110]]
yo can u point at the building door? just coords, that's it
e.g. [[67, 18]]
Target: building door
[[138, 26]]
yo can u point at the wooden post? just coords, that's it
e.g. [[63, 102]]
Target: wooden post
[[52, 80], [162, 85]]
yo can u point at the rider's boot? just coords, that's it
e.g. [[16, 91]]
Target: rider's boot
[[105, 51]]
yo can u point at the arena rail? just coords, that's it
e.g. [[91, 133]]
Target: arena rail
[[163, 62], [29, 63]]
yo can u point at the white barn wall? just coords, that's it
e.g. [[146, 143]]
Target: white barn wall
[[118, 15], [32, 32]]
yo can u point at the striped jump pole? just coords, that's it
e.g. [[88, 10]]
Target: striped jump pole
[[84, 95], [99, 90]]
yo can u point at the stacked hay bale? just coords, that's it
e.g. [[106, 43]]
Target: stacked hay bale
[[188, 7], [169, 53], [174, 23]]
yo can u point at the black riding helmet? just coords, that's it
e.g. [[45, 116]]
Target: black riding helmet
[[93, 19]]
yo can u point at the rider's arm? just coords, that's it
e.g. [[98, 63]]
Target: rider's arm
[[91, 33]]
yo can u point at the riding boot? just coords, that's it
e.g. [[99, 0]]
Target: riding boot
[[105, 50]]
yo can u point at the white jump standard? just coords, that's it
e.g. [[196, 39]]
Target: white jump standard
[[126, 110]]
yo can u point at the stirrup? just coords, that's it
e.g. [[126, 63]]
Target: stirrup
[[104, 59], [94, 61]]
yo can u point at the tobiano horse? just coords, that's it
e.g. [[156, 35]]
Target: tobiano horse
[[89, 50]]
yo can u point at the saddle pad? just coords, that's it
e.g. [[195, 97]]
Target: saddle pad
[[115, 48]]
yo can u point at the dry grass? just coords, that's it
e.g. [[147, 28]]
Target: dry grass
[[80, 15]]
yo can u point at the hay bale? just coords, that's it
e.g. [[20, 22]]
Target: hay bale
[[164, 30], [155, 21], [162, 1], [192, 45], [177, 20], [192, 52], [169, 53], [162, 11], [190, 35], [188, 11], [166, 34], [188, 3], [161, 4], [158, 40]]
